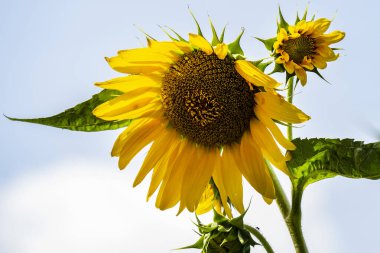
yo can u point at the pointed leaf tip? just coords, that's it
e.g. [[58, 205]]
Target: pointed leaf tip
[[282, 23], [235, 47], [80, 117]]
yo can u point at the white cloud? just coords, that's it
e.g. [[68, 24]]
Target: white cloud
[[81, 207]]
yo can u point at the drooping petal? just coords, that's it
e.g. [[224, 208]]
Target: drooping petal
[[220, 184], [229, 177], [197, 176], [265, 141], [254, 168], [276, 132], [158, 149], [162, 169], [170, 190], [277, 108], [137, 140], [301, 74]]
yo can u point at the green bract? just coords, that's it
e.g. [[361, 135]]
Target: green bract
[[223, 236]]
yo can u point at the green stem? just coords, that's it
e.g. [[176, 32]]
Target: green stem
[[259, 237], [293, 220], [290, 100], [281, 199]]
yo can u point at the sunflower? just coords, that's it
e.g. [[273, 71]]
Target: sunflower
[[208, 115], [305, 47]]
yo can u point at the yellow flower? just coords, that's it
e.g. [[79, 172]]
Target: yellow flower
[[208, 116], [305, 46]]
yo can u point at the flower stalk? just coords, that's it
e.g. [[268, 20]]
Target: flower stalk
[[260, 237]]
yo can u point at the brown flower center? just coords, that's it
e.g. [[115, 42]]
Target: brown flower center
[[299, 47], [206, 100]]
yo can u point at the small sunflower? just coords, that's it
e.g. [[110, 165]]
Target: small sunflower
[[305, 46], [208, 116]]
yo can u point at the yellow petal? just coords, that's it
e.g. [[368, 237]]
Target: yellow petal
[[197, 176], [201, 43], [145, 55], [138, 139], [265, 141], [289, 66], [129, 83], [254, 168], [220, 184], [277, 108], [163, 169], [119, 143], [254, 75], [120, 64], [170, 189], [276, 132], [320, 26], [177, 47], [231, 179], [331, 38], [301, 74], [127, 107], [160, 147], [319, 62], [221, 50]]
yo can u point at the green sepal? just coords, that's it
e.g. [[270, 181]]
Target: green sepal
[[303, 17], [221, 38], [197, 24], [179, 37], [268, 42], [261, 65], [215, 39], [145, 33], [80, 117], [315, 70], [167, 34], [235, 47], [282, 22], [218, 218], [278, 68], [317, 159], [197, 245]]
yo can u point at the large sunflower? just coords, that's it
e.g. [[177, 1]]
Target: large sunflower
[[208, 116], [305, 47]]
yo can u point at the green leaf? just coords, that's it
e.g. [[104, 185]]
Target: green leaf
[[317, 159], [80, 117]]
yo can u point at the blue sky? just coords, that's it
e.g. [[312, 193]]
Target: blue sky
[[60, 191]]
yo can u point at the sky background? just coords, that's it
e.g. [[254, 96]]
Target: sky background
[[60, 191]]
